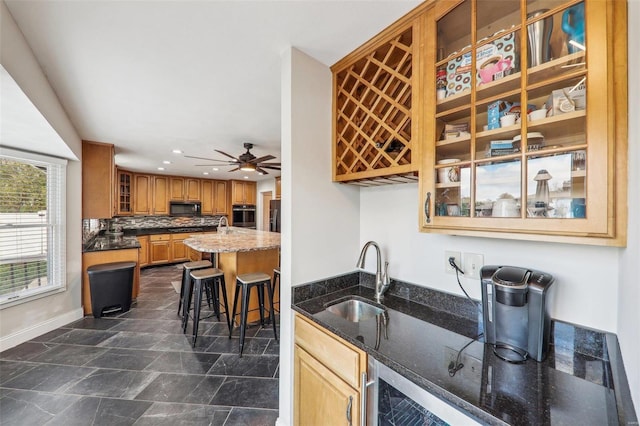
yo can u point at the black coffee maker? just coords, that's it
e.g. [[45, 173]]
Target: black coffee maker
[[515, 311]]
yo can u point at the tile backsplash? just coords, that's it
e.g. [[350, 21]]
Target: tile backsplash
[[91, 227]]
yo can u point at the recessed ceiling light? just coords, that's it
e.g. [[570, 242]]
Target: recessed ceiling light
[[160, 168], [215, 169], [166, 162], [177, 151], [205, 173], [260, 173], [246, 177]]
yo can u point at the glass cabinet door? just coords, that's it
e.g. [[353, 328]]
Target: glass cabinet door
[[518, 118]]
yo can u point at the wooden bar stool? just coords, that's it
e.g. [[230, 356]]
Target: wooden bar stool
[[246, 282], [203, 277], [186, 269]]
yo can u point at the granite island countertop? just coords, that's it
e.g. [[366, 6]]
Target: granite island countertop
[[237, 240], [582, 380]]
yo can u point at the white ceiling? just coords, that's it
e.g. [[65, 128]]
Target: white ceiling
[[152, 76]]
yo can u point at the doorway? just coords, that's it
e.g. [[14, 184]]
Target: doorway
[[266, 198]]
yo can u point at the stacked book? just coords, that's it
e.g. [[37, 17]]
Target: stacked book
[[503, 147]]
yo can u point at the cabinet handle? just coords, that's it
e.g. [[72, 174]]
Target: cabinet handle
[[364, 384], [349, 405], [427, 207]]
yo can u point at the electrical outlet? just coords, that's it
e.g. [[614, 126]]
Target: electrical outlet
[[472, 368], [472, 264], [447, 266]]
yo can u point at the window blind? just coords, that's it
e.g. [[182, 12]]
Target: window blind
[[32, 225]]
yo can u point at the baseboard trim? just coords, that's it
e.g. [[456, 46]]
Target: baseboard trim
[[24, 335]]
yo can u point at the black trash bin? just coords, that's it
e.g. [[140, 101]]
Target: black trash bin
[[111, 285]]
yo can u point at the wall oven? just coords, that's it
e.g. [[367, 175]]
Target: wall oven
[[394, 400], [243, 215]]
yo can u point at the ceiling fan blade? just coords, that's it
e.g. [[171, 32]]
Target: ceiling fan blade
[[262, 166], [271, 164], [227, 155], [261, 159], [208, 159], [260, 170], [233, 170]]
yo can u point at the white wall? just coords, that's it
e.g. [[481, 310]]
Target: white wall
[[319, 218], [25, 321], [629, 289]]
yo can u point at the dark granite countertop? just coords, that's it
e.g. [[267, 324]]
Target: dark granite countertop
[[582, 380], [127, 239], [104, 243]]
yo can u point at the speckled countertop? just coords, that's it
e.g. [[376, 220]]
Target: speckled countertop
[[238, 239], [116, 242], [581, 382]]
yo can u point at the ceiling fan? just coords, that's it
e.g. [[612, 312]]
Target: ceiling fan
[[246, 162]]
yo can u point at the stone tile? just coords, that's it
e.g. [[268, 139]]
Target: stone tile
[[101, 411], [157, 314], [84, 337], [113, 383], [48, 378], [11, 369], [273, 348], [130, 340], [20, 407], [183, 362], [26, 351], [69, 355], [252, 417], [267, 331], [248, 392], [194, 389], [252, 346], [124, 359], [163, 414], [222, 329], [248, 365], [184, 342], [155, 304], [92, 323], [149, 326], [47, 337]]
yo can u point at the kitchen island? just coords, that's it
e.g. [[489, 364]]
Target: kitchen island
[[241, 251]]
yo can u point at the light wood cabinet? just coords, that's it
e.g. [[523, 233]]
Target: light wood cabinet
[[160, 195], [159, 249], [557, 177], [124, 193], [278, 188], [220, 206], [377, 113], [327, 376], [98, 171], [207, 196], [243, 192], [179, 252], [143, 257], [192, 189], [177, 188], [142, 195]]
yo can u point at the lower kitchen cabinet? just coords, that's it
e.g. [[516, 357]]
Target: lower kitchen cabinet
[[159, 249], [327, 372], [144, 251], [179, 252]]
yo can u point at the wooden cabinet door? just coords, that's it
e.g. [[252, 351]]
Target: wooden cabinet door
[[250, 192], [237, 192], [207, 196], [192, 189], [160, 195], [159, 246], [320, 397], [177, 189], [179, 251], [97, 180], [143, 257], [278, 187], [220, 197], [142, 194], [124, 193]]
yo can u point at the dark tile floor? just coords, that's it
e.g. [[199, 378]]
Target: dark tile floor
[[137, 368]]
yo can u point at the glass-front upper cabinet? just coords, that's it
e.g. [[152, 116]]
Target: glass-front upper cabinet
[[522, 119]]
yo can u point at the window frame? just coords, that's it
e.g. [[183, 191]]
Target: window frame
[[56, 210]]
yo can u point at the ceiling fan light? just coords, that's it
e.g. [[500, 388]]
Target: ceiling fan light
[[248, 167]]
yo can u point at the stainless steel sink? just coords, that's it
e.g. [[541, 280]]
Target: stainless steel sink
[[355, 310]]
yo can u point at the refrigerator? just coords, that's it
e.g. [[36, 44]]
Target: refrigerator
[[274, 216]]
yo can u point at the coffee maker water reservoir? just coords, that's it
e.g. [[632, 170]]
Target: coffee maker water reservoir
[[516, 304]]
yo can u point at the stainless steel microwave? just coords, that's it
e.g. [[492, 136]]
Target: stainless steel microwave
[[185, 209]]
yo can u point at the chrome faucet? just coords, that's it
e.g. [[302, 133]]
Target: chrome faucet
[[226, 225], [382, 279]]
